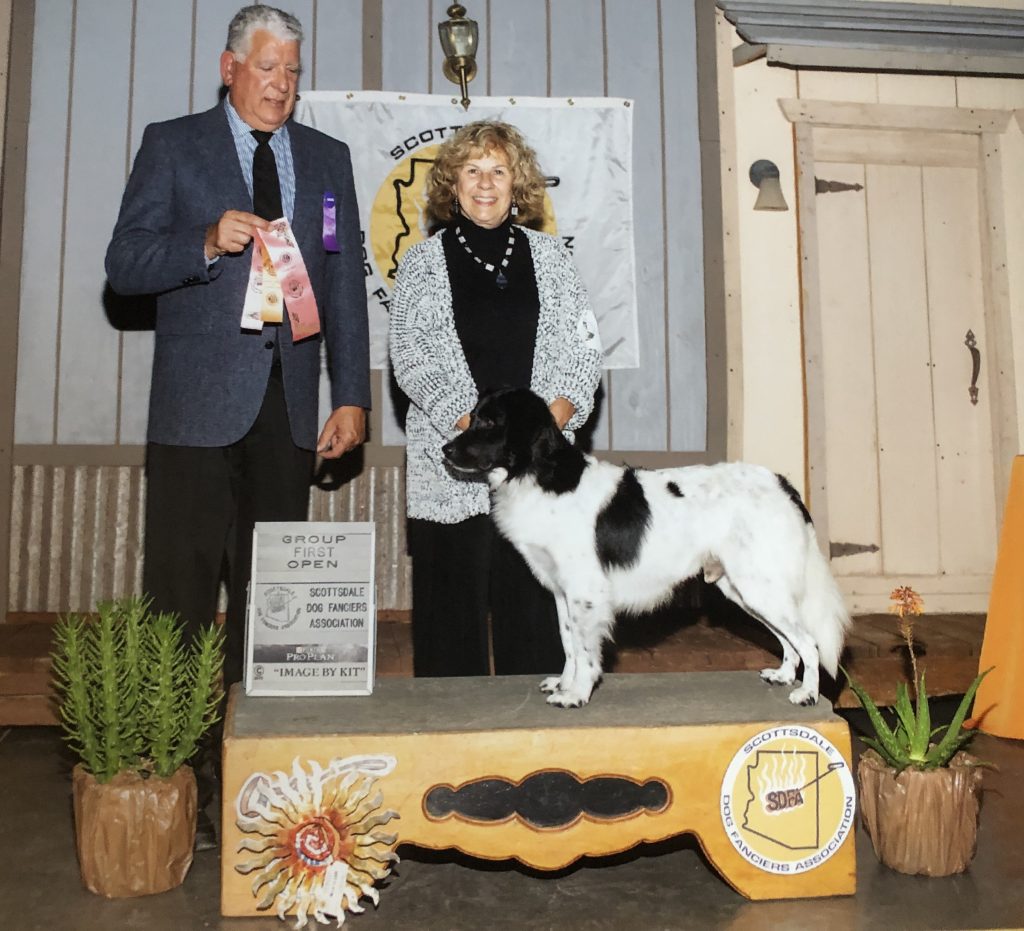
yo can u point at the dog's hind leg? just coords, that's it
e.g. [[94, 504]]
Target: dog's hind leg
[[769, 604], [784, 674]]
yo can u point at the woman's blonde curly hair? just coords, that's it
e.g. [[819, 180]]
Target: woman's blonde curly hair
[[484, 136]]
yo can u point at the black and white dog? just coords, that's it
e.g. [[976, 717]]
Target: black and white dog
[[607, 539]]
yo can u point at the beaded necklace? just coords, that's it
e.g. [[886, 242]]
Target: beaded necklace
[[500, 280]]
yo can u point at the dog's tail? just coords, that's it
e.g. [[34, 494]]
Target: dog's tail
[[824, 612]]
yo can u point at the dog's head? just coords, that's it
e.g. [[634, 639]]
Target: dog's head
[[510, 430]]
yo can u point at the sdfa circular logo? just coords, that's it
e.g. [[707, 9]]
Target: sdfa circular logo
[[787, 801]]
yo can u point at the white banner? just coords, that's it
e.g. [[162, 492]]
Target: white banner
[[584, 146]]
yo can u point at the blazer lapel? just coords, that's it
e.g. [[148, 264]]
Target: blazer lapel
[[306, 219], [215, 149]]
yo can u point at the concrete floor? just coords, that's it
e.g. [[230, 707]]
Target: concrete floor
[[668, 887]]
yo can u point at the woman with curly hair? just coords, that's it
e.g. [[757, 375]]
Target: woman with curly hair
[[485, 303]]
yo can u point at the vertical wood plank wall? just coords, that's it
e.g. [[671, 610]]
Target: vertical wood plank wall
[[103, 69]]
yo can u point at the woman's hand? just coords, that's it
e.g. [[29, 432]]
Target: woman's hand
[[562, 410], [462, 423]]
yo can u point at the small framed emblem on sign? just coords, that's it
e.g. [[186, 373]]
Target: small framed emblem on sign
[[311, 620]]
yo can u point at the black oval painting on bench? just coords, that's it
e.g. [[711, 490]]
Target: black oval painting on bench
[[551, 799]]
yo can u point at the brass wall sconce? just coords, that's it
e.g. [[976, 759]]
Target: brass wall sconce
[[764, 175], [459, 43]]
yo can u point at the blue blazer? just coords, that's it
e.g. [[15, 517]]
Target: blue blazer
[[210, 375]]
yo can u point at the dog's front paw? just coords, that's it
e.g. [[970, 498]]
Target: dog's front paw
[[804, 696], [567, 699], [778, 676], [550, 684]]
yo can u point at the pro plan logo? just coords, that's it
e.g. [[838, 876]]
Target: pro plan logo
[[787, 800], [277, 612]]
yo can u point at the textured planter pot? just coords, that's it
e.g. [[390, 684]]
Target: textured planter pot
[[921, 821], [134, 836]]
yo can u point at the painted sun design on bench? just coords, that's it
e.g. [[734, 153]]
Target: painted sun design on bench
[[313, 835]]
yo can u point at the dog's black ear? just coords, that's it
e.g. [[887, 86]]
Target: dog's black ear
[[557, 464]]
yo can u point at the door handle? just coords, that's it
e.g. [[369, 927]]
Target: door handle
[[972, 347]]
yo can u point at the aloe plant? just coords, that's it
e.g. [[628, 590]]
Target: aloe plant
[[912, 742], [131, 694]]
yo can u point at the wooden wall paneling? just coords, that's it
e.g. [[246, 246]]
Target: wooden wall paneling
[[725, 38], [5, 67], [334, 62], [15, 560], [814, 480], [577, 42], [1007, 95], [968, 527], [378, 494], [41, 281], [409, 31], [770, 256], [518, 48], [89, 353], [906, 439], [996, 282], [336, 50], [851, 439], [684, 240], [639, 397], [407, 38], [994, 93], [895, 147], [210, 32], [932, 90], [577, 66], [160, 87], [813, 84]]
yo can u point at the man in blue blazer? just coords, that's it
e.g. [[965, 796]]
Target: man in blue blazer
[[233, 412]]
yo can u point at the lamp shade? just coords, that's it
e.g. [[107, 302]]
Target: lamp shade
[[769, 196], [764, 175]]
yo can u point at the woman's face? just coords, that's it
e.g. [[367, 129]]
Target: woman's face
[[484, 188]]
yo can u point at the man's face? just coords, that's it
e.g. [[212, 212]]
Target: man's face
[[262, 88]]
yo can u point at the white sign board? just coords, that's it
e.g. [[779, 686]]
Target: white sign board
[[311, 619]]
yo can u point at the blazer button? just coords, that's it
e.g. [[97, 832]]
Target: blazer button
[[192, 279], [269, 344]]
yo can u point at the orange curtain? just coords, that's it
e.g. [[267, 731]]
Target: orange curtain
[[999, 704]]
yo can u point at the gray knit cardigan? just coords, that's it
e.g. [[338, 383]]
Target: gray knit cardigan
[[430, 367]]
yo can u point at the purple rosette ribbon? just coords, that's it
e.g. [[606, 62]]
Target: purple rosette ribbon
[[330, 222]]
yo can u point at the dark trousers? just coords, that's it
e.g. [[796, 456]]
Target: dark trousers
[[201, 504], [460, 573]]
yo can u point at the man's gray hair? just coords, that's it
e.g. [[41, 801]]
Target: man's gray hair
[[247, 20]]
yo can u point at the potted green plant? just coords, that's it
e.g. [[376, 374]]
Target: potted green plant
[[919, 789], [134, 701]]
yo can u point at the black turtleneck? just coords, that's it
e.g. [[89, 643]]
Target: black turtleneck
[[497, 327]]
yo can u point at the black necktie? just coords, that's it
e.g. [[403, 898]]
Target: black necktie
[[266, 189]]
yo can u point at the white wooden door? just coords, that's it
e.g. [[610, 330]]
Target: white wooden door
[[910, 478]]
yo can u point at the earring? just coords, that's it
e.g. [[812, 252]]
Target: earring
[[455, 205], [515, 208]]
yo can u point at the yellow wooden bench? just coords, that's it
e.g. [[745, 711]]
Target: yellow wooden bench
[[485, 766]]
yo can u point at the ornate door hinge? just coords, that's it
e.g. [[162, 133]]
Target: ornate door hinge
[[850, 549], [821, 186]]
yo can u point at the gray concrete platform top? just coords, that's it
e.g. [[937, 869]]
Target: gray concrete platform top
[[400, 705]]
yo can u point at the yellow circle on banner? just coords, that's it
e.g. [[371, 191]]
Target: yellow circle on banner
[[398, 214], [788, 800]]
